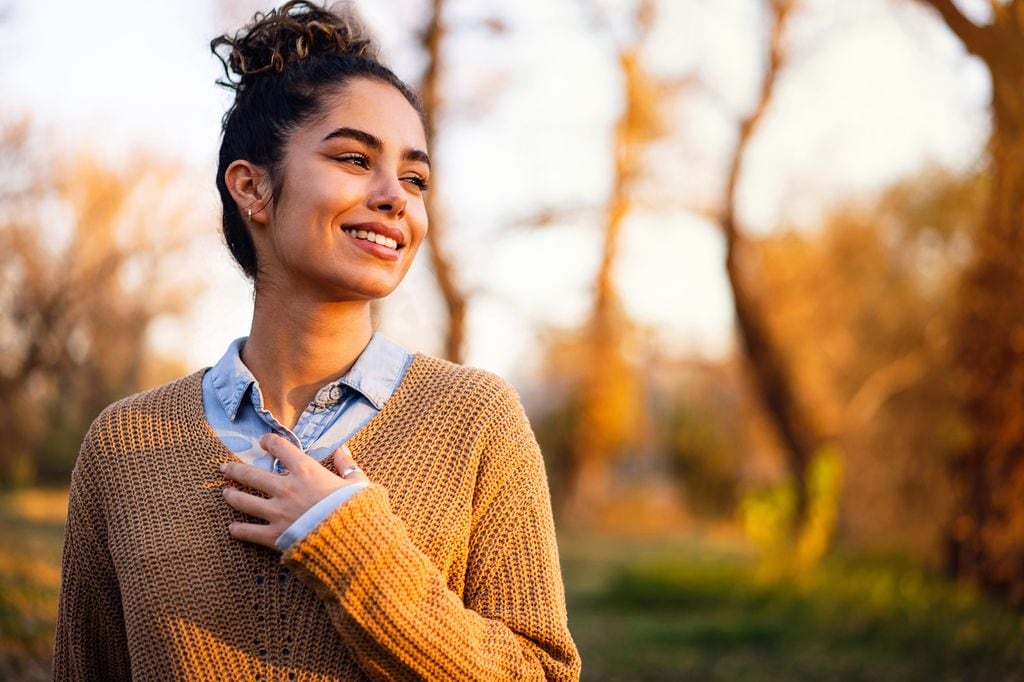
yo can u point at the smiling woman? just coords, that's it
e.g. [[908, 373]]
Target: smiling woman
[[321, 504]]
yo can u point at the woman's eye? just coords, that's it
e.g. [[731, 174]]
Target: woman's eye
[[356, 159], [418, 182]]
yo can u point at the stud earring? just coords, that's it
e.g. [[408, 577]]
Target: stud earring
[[249, 211]]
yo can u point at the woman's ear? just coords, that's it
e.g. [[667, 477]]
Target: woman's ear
[[250, 187]]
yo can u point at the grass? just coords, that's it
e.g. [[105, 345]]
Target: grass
[[686, 608], [32, 528], [690, 613]]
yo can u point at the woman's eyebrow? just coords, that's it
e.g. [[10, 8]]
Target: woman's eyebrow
[[375, 143], [371, 141], [416, 155]]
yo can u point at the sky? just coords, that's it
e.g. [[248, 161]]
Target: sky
[[875, 91]]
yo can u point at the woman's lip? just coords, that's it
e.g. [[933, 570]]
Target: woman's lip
[[374, 248], [379, 228]]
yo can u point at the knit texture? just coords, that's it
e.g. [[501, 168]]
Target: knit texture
[[445, 567]]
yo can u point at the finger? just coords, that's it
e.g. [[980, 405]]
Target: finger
[[284, 450], [347, 467], [256, 533], [248, 504], [251, 476]]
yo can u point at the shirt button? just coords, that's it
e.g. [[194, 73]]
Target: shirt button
[[327, 396]]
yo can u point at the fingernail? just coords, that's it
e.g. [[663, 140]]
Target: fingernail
[[223, 467]]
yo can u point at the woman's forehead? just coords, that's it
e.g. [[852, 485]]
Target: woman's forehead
[[375, 108]]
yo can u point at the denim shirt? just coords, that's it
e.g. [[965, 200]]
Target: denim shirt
[[233, 404]]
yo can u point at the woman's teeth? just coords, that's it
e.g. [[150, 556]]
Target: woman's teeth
[[373, 237]]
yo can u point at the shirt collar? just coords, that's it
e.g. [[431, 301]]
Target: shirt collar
[[231, 378], [378, 370], [375, 373]]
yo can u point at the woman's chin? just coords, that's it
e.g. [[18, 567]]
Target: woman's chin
[[365, 291]]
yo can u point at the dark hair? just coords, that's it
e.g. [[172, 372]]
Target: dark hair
[[286, 62]]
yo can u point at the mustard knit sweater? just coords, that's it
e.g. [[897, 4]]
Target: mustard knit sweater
[[444, 568]]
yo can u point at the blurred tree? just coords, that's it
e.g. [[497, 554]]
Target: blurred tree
[[986, 538], [608, 393], [81, 250], [768, 364], [865, 303], [430, 90]]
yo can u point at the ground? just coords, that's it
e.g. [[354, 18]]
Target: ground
[[690, 607]]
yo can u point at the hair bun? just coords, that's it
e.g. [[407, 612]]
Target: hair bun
[[295, 31]]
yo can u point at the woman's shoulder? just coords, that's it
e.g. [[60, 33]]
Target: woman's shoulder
[[171, 398], [427, 372], [466, 394]]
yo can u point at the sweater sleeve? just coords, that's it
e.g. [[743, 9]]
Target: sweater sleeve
[[393, 607], [91, 643]]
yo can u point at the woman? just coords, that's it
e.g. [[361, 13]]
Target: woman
[[218, 526]]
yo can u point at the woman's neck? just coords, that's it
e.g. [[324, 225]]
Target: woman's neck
[[296, 347]]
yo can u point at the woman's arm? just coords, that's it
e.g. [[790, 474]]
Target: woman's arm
[[399, 618], [90, 640], [393, 607]]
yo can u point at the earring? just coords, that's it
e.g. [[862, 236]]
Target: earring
[[249, 211]]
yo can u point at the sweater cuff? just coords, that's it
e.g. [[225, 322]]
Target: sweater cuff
[[315, 515], [358, 535]]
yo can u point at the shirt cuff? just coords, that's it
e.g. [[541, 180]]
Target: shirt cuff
[[315, 514]]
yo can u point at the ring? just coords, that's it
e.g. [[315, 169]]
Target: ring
[[349, 470]]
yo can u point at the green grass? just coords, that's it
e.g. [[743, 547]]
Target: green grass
[[643, 609], [691, 614]]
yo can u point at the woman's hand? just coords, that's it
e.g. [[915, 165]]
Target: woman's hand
[[291, 494]]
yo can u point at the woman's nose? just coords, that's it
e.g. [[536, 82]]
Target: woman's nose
[[387, 196]]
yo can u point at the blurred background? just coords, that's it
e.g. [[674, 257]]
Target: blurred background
[[753, 265]]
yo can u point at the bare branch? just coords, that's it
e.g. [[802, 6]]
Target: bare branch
[[974, 37], [548, 216], [781, 10], [882, 384]]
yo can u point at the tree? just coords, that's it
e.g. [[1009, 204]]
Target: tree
[[607, 394], [768, 365], [986, 535], [865, 301], [444, 272], [83, 251]]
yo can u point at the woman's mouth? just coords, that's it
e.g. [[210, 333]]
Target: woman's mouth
[[373, 237]]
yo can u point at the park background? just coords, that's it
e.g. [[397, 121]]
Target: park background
[[753, 265]]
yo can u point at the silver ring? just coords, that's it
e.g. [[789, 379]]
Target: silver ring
[[349, 470]]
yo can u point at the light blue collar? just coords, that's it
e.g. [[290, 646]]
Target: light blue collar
[[375, 373]]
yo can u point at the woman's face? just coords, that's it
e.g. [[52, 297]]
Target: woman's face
[[349, 215]]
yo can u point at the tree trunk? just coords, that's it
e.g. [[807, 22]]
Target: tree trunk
[[774, 384], [607, 394], [986, 536], [598, 428], [767, 367], [440, 260]]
